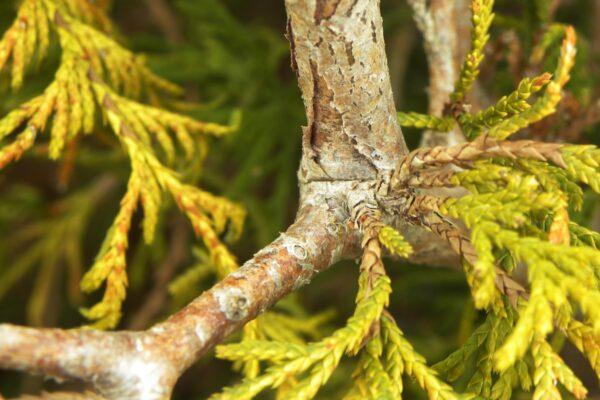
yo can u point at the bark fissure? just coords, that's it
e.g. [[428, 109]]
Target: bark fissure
[[324, 9], [351, 146], [343, 74]]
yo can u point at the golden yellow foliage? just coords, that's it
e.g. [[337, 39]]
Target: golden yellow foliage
[[98, 77]]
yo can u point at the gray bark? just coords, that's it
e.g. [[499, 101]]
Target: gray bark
[[351, 145]]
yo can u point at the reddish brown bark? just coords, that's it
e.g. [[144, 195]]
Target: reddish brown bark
[[351, 145]]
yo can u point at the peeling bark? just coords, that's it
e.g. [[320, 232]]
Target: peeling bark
[[146, 365], [338, 48], [351, 146]]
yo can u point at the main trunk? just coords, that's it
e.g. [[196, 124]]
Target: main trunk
[[338, 53], [350, 144]]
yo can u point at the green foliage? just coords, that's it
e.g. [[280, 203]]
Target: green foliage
[[506, 212], [423, 121], [401, 352], [582, 164], [482, 17], [518, 211], [546, 104], [318, 359], [95, 71], [513, 104], [483, 342], [395, 242], [46, 246]]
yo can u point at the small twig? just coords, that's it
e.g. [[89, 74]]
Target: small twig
[[424, 21], [587, 118], [461, 244], [177, 252], [464, 154], [145, 365], [166, 19], [436, 24], [367, 218], [440, 30]]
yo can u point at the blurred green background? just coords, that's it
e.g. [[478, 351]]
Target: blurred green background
[[230, 55]]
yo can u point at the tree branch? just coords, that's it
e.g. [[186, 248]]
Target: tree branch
[[166, 19], [351, 145], [442, 25], [177, 252], [146, 365], [338, 53]]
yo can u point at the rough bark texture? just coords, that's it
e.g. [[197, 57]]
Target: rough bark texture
[[442, 24], [146, 365], [443, 65], [351, 145], [339, 56]]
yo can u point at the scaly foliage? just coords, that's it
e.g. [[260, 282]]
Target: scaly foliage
[[514, 103], [97, 75], [423, 121], [518, 210], [384, 354], [546, 104], [482, 17], [507, 212], [394, 241], [517, 218]]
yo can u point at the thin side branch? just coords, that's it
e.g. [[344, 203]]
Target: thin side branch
[[464, 154], [350, 145], [425, 210], [177, 252], [146, 365], [441, 26]]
